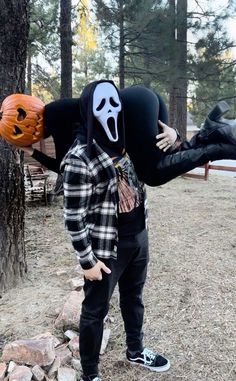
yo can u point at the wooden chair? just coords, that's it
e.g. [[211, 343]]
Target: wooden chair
[[35, 183]]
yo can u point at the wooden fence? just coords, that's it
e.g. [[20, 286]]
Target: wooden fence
[[206, 168]]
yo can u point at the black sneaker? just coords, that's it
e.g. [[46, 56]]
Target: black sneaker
[[150, 360], [92, 377]]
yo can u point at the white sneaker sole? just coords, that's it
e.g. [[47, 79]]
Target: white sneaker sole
[[159, 369]]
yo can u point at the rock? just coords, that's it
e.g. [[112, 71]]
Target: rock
[[54, 368], [3, 368], [11, 366], [105, 339], [46, 335], [76, 283], [61, 272], [20, 373], [38, 373], [74, 346], [49, 379], [70, 314], [76, 364], [30, 352], [66, 374], [64, 354], [70, 334]]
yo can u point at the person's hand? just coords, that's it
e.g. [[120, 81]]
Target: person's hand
[[29, 150], [95, 273], [167, 137]]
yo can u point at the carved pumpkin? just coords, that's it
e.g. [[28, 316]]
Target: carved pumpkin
[[21, 119]]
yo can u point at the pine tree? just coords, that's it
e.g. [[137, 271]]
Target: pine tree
[[14, 28], [215, 75], [43, 55], [66, 48]]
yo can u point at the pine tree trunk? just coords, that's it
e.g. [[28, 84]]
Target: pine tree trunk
[[182, 83], [178, 66], [172, 64], [66, 49], [146, 77], [14, 29], [29, 71], [172, 105], [121, 46]]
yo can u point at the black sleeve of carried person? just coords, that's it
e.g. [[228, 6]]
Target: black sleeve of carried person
[[50, 163], [60, 120]]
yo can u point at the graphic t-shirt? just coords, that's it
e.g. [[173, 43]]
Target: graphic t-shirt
[[131, 218]]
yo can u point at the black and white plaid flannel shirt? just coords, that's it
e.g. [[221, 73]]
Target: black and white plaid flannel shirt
[[90, 203]]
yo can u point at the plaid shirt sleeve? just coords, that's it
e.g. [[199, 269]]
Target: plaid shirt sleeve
[[77, 194]]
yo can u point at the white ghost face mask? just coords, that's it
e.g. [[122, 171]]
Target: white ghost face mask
[[106, 107]]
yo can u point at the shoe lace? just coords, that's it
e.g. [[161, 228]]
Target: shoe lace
[[148, 355]]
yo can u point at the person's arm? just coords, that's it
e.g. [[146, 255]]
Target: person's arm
[[77, 194], [49, 162]]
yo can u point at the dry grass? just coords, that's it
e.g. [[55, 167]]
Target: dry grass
[[190, 291]]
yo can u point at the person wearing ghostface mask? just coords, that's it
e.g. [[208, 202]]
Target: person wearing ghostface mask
[[105, 215]]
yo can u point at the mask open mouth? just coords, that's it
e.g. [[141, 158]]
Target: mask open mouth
[[111, 126]]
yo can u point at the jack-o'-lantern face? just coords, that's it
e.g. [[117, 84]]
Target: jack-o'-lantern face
[[21, 119]]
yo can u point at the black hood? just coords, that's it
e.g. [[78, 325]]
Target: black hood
[[91, 126]]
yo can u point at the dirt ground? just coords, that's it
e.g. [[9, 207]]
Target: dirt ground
[[189, 296]]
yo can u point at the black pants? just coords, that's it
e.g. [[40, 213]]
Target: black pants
[[130, 272]]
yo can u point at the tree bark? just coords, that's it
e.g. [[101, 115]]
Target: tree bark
[[14, 28], [182, 83], [121, 45], [172, 64], [178, 66], [146, 76], [29, 71], [66, 49]]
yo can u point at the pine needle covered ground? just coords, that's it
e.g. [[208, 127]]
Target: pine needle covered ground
[[189, 296]]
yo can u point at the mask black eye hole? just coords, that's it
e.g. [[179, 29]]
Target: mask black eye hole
[[21, 114], [113, 103], [101, 104]]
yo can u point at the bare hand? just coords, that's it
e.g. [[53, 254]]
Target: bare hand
[[95, 273], [28, 150], [167, 138]]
